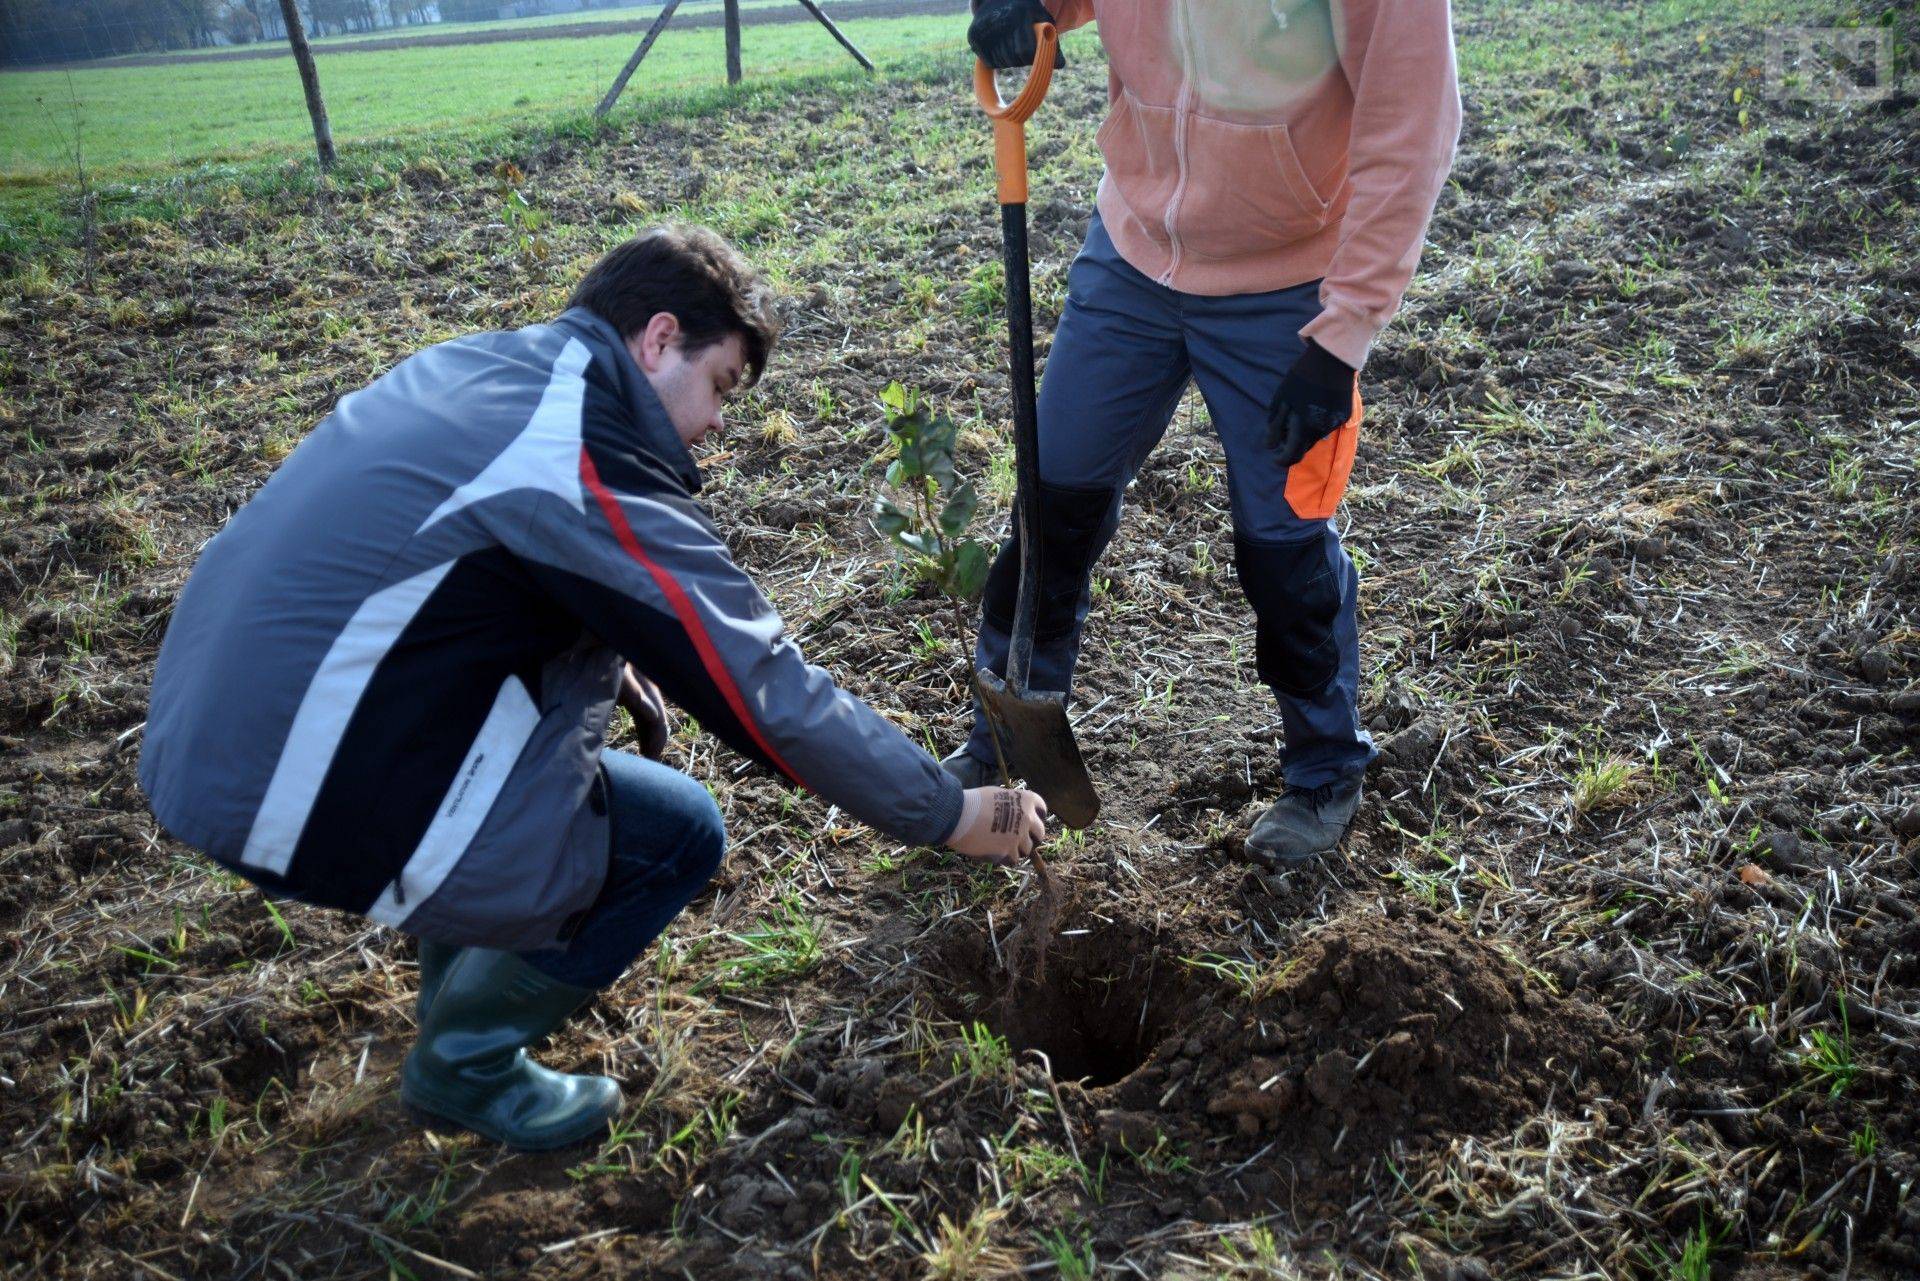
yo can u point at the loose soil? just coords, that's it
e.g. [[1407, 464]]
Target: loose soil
[[1620, 961], [1389, 1031]]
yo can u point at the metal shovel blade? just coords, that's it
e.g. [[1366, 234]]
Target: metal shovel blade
[[1036, 742]]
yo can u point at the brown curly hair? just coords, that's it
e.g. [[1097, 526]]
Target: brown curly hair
[[695, 276]]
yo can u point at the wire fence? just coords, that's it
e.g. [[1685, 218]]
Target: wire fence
[[39, 34]]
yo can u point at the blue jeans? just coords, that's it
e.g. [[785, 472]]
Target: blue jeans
[[1122, 355], [667, 839]]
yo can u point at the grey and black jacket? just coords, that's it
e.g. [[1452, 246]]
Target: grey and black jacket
[[385, 686]]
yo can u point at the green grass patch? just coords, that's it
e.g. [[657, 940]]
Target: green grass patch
[[140, 121], [781, 947]]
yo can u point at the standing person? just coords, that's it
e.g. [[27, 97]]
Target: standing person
[[386, 685], [1271, 166]]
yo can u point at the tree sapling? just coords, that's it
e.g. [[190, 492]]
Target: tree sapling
[[930, 528]]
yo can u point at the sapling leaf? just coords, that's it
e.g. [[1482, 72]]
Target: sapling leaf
[[940, 471], [939, 436], [958, 513], [917, 452], [928, 513], [969, 575], [889, 519]]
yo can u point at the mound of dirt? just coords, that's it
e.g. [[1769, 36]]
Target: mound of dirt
[[1385, 1032], [1389, 1030]]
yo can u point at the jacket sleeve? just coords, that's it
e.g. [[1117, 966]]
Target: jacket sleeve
[[1398, 58], [649, 575]]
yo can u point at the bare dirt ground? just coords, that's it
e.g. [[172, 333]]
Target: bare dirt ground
[[752, 17], [1618, 973]]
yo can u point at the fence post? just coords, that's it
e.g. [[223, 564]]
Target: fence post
[[838, 34], [310, 81], [626, 73], [733, 41]]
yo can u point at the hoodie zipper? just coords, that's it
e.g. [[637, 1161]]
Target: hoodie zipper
[[1182, 118]]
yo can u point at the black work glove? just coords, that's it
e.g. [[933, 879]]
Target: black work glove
[[1314, 398], [651, 724], [1002, 33]]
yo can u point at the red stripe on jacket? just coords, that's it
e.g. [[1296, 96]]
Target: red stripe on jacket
[[683, 609]]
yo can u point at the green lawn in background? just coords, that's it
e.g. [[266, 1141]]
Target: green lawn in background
[[144, 123], [138, 121], [576, 17]]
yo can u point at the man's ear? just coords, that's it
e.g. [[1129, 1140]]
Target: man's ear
[[649, 346]]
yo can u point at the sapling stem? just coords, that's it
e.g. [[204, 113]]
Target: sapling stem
[[933, 531]]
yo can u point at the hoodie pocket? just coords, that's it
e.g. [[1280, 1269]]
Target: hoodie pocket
[[1246, 190], [1137, 143]]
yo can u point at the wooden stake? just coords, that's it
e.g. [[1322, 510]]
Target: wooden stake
[[838, 34], [310, 81], [733, 41], [731, 15], [626, 73]]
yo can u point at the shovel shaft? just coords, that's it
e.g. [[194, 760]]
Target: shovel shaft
[[1032, 736], [1010, 167], [1026, 439]]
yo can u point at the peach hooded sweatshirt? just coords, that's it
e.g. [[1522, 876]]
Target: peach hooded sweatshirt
[[1256, 144]]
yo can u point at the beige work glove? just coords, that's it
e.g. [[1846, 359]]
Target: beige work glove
[[999, 824]]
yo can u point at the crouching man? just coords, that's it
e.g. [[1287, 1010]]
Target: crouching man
[[385, 686]]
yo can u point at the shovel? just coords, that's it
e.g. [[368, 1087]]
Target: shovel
[[1030, 729]]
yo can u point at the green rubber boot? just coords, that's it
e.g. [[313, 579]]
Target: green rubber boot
[[434, 959], [470, 1065]]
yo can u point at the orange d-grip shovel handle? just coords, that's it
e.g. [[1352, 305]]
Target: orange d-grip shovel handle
[[1010, 118]]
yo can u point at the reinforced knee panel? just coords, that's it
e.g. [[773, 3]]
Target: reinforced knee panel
[[1295, 593], [1071, 522]]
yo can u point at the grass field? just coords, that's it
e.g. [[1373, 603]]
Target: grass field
[[140, 121], [638, 12], [634, 13]]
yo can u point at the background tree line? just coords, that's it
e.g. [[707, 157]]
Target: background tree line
[[44, 31]]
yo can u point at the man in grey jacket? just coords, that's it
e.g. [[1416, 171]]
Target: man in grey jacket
[[386, 685]]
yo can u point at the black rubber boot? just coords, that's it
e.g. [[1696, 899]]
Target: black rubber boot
[[971, 770], [434, 959], [1304, 823], [470, 1065]]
